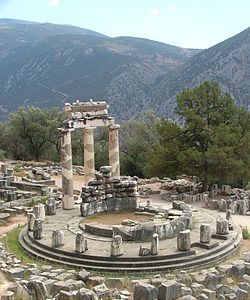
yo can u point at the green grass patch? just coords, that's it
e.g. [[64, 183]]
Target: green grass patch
[[12, 245], [34, 202]]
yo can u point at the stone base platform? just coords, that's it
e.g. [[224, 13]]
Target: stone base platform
[[97, 257]]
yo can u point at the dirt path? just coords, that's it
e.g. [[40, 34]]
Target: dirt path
[[7, 227]]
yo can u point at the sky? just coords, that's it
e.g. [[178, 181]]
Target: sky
[[185, 23]]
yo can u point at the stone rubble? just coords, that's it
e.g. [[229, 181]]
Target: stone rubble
[[230, 281]]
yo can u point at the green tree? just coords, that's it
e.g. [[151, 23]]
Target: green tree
[[33, 131], [137, 138], [162, 160]]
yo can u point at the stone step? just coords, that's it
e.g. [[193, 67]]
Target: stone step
[[141, 264]]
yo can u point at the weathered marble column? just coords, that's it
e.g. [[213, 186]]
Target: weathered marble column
[[57, 238], [183, 240], [81, 244], [116, 246], [37, 229], [89, 154], [67, 170], [205, 233], [50, 207], [30, 221], [221, 226], [114, 159], [155, 244]]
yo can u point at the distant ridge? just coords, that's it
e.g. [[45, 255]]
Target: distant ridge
[[45, 64]]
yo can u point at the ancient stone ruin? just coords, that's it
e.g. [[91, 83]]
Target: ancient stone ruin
[[86, 116], [175, 236]]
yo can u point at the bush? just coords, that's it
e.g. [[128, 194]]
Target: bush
[[245, 233]]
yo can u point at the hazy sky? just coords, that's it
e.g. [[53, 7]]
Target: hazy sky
[[185, 23]]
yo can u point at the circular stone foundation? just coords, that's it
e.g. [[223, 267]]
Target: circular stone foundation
[[98, 255]]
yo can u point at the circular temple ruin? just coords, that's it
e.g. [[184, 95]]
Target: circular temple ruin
[[175, 235]]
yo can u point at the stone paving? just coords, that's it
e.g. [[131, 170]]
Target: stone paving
[[68, 221]]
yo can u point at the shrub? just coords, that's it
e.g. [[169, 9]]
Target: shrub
[[245, 233]]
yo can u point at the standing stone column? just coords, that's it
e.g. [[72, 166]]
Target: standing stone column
[[221, 226], [80, 243], [67, 170], [30, 221], [205, 233], [89, 155], [41, 211], [50, 207], [183, 240], [155, 244], [116, 246], [114, 159], [37, 229], [57, 238]]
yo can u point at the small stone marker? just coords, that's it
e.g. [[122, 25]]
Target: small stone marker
[[50, 207], [155, 244], [41, 209], [37, 229], [233, 207], [80, 243], [183, 240], [57, 238], [205, 233], [39, 212], [30, 221], [143, 251], [221, 226], [116, 246]]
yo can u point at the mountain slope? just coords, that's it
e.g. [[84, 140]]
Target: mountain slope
[[227, 62], [48, 69]]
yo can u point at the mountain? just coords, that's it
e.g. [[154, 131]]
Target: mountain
[[47, 65], [227, 63]]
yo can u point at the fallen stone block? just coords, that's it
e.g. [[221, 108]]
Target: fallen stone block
[[230, 296], [95, 280], [144, 291], [102, 291], [83, 275], [169, 290], [39, 289], [59, 286], [238, 270], [64, 295], [196, 288], [210, 294], [86, 294], [15, 273], [8, 296]]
